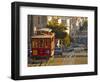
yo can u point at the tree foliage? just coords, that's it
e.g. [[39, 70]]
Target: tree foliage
[[85, 24], [58, 29], [67, 40]]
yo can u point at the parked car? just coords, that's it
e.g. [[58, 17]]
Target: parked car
[[58, 51]]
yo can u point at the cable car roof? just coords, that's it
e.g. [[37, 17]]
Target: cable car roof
[[45, 29], [43, 36]]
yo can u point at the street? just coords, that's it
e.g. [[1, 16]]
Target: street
[[65, 59]]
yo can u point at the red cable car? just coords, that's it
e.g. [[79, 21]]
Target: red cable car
[[43, 46]]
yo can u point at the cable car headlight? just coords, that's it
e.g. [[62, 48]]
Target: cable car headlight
[[35, 52]]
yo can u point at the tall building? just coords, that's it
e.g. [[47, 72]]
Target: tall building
[[75, 26], [38, 22]]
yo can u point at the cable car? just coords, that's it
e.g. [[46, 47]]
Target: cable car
[[43, 46]]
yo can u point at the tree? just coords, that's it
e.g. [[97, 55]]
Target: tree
[[59, 30], [67, 40], [85, 24]]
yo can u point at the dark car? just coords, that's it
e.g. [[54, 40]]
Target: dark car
[[58, 51]]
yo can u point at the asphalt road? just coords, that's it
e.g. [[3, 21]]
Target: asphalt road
[[65, 59]]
